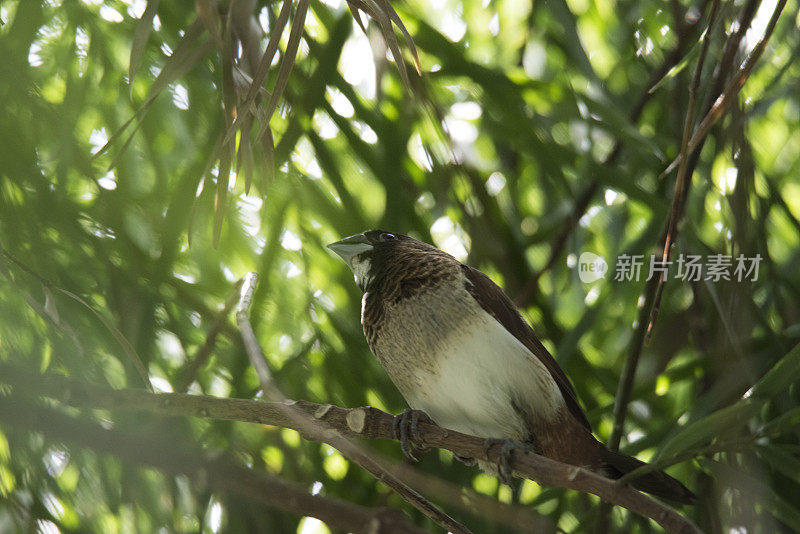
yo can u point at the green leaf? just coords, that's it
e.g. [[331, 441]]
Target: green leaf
[[755, 491], [785, 422], [703, 431], [143, 29], [690, 56], [782, 375], [781, 461]]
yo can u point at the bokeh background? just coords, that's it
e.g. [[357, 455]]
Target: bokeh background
[[538, 130]]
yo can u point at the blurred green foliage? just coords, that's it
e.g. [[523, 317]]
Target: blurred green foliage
[[507, 139]]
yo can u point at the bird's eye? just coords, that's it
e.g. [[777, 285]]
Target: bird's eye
[[388, 237]]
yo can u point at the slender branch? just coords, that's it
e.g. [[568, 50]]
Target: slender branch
[[625, 387], [732, 89], [188, 294], [684, 178], [202, 355], [720, 75], [253, 348], [340, 423], [220, 473], [732, 44], [46, 311], [623, 393], [520, 518], [688, 145]]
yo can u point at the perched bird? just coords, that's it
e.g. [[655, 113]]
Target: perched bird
[[458, 349]]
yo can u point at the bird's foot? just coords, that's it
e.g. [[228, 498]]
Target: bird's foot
[[507, 447], [406, 428]]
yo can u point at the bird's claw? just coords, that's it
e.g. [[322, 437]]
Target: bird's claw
[[507, 446], [406, 429]]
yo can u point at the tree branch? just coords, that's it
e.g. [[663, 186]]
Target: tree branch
[[364, 422], [220, 473], [684, 178]]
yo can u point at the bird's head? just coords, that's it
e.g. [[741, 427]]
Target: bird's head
[[375, 254]]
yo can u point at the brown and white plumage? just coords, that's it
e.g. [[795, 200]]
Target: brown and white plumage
[[458, 349]]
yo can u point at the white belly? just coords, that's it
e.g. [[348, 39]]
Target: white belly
[[484, 376]]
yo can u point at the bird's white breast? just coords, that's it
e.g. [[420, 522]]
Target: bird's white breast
[[454, 361]]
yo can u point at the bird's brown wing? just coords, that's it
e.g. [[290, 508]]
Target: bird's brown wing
[[497, 304]]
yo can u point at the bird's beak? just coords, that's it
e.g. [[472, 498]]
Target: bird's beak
[[351, 246]]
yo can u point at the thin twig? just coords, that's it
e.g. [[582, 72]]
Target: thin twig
[[46, 311], [682, 180], [625, 387], [624, 390], [520, 518], [720, 75], [202, 355], [629, 370], [251, 345], [732, 89]]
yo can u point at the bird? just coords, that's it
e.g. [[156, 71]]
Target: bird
[[459, 351]]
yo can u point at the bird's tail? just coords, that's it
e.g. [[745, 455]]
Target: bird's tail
[[656, 483]]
